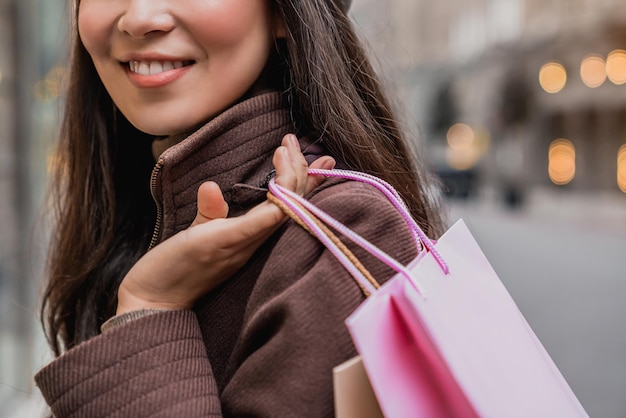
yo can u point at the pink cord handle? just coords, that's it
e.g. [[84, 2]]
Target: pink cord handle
[[394, 197], [289, 199], [296, 203]]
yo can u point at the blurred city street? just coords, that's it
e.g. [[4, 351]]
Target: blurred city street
[[562, 260]]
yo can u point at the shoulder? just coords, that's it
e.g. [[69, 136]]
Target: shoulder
[[345, 188], [349, 195]]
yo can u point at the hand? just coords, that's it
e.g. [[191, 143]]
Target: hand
[[180, 270]]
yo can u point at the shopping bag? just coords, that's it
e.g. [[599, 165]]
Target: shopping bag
[[464, 329], [354, 396], [442, 338]]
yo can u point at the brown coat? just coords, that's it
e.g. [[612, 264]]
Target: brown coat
[[265, 342]]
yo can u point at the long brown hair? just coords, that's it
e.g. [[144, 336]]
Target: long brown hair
[[102, 208]]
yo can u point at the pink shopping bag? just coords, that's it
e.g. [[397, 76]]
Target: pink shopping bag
[[466, 333], [444, 338]]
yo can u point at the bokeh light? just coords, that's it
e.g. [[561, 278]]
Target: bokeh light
[[562, 161], [616, 66], [621, 168], [552, 77], [465, 146], [460, 136], [593, 71]]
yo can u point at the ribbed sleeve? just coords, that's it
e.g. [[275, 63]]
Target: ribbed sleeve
[[154, 366]]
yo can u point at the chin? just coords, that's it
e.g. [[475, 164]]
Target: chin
[[174, 118], [167, 123], [163, 128]]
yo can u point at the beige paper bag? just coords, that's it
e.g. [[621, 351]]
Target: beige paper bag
[[354, 397]]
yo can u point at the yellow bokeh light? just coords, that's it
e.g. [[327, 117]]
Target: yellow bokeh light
[[460, 136], [593, 71], [562, 161], [616, 66], [621, 168], [552, 77], [465, 146]]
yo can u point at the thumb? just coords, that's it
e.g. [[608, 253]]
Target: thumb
[[211, 203]]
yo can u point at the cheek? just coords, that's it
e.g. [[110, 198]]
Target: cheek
[[228, 25], [93, 21]]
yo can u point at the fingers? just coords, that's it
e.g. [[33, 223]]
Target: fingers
[[325, 163], [211, 203], [298, 162], [292, 168], [261, 221]]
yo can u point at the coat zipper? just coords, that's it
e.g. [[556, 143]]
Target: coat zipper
[[159, 216]]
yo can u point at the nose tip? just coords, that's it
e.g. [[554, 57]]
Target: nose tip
[[141, 19]]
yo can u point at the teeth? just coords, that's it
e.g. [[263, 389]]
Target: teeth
[[154, 67], [144, 68]]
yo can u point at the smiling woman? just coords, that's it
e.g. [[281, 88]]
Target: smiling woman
[[175, 289], [222, 55]]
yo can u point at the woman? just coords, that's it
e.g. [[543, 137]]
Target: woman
[[210, 304]]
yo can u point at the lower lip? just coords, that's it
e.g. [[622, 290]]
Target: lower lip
[[157, 80]]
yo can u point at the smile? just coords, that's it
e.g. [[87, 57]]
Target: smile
[[148, 68]]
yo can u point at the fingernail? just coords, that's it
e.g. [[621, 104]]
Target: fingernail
[[293, 140]]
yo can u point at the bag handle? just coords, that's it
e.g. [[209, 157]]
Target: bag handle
[[327, 233], [419, 236], [306, 211], [298, 204], [421, 239], [301, 208]]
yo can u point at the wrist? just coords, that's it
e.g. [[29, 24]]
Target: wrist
[[128, 301], [128, 317]]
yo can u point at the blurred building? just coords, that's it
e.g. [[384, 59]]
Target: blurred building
[[532, 89], [32, 42]]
